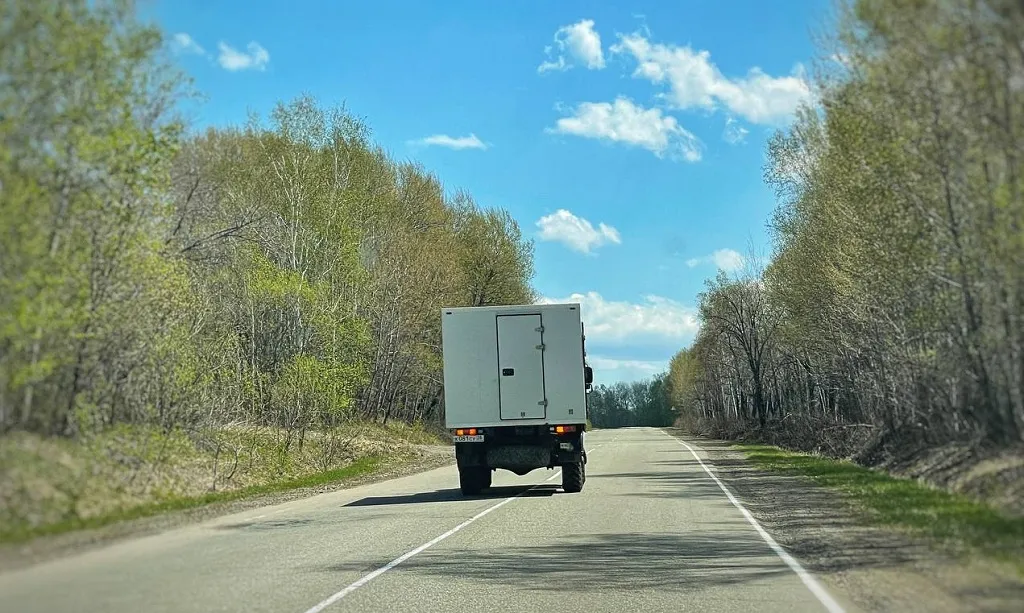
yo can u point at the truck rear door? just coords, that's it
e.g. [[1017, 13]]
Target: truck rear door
[[521, 365]]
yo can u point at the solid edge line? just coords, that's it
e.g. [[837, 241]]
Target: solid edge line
[[812, 584], [405, 556]]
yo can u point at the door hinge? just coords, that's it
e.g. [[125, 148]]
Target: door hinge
[[540, 347], [539, 329], [543, 403]]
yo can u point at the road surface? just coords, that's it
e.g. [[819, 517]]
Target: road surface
[[651, 531]]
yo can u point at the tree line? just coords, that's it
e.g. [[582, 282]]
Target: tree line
[[628, 404], [286, 272], [890, 317]]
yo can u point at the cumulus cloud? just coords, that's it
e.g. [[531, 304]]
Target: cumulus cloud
[[575, 43], [655, 321], [625, 122], [728, 260], [611, 370], [184, 43], [575, 232], [254, 58], [451, 142], [694, 81]]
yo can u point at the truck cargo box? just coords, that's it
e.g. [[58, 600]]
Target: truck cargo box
[[517, 365]]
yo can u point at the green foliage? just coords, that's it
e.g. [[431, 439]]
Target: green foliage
[[496, 261], [310, 384], [283, 276], [889, 320], [86, 143]]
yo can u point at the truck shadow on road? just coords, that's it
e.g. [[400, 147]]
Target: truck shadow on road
[[688, 481], [455, 495], [685, 562]]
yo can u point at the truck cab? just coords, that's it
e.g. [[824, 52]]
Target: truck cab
[[515, 391]]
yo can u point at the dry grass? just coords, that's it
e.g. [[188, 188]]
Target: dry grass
[[53, 485]]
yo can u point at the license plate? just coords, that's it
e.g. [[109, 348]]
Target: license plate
[[475, 438]]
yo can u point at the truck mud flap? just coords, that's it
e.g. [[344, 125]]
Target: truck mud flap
[[569, 457], [514, 455]]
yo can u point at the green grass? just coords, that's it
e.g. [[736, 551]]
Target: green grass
[[905, 504], [362, 466]]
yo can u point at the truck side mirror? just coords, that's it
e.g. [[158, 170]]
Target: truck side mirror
[[588, 375]]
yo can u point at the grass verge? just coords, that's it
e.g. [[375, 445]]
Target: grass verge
[[20, 534], [908, 505], [51, 486]]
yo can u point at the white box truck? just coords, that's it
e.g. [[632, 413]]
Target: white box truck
[[515, 391]]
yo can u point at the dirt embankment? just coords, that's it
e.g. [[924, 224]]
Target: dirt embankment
[[881, 568], [994, 477]]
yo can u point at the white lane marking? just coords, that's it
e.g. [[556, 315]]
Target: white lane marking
[[405, 556], [816, 588]]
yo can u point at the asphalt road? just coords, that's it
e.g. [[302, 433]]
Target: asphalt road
[[651, 531]]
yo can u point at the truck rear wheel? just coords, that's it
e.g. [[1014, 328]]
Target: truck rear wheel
[[473, 479], [573, 477]]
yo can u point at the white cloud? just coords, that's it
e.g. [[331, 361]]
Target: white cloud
[[611, 370], [452, 142], [183, 43], [694, 81], [624, 121], [575, 232], [656, 321], [232, 59], [725, 259], [582, 44], [734, 133]]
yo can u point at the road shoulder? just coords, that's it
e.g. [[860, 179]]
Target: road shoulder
[[876, 568]]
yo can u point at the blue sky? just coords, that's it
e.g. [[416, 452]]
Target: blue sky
[[627, 140]]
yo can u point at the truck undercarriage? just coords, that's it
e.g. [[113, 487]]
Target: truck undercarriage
[[521, 449]]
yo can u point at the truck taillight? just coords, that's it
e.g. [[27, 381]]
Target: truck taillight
[[465, 432], [564, 429]]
